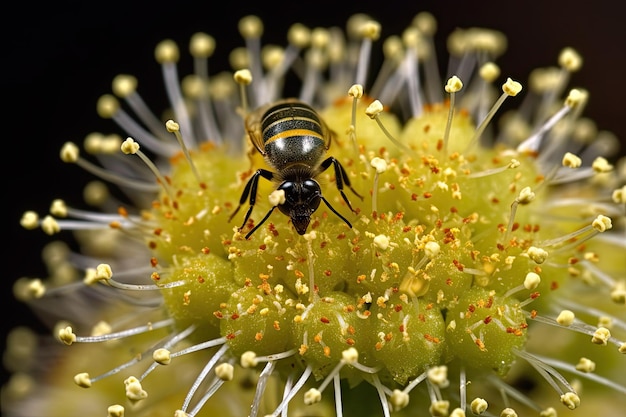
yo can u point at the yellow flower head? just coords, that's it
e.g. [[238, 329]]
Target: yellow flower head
[[378, 249]]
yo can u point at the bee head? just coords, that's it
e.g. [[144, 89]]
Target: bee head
[[302, 198]]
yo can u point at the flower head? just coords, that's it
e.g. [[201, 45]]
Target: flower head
[[418, 257]]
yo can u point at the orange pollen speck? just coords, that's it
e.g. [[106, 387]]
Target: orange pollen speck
[[258, 336], [234, 316], [533, 314], [480, 345], [205, 250], [350, 341], [155, 276], [230, 336], [154, 261], [276, 325], [327, 351], [299, 274], [431, 338], [200, 279], [458, 265], [324, 320]]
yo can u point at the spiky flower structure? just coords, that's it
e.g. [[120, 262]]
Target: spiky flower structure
[[482, 271]]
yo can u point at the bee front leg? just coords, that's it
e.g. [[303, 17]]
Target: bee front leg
[[250, 191]]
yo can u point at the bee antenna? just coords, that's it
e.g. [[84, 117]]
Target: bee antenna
[[267, 216], [334, 211]]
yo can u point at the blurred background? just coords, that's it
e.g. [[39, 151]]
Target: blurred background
[[58, 59]]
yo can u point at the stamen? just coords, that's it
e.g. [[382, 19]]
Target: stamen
[[131, 147], [409, 67], [251, 29], [316, 61], [463, 389], [162, 355], [201, 47], [296, 388], [509, 89], [115, 410], [260, 387], [381, 395], [167, 54], [174, 128], [514, 393], [551, 375], [108, 107], [299, 37], [531, 281], [118, 335], [599, 225], [243, 78], [356, 92], [337, 387], [70, 154], [370, 31], [223, 373], [514, 163], [202, 376], [125, 87], [393, 53], [380, 165], [372, 111], [453, 85], [532, 144], [525, 196], [427, 25]]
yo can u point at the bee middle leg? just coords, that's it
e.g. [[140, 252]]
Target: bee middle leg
[[250, 192], [341, 177]]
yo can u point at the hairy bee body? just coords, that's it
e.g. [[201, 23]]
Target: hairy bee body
[[293, 139]]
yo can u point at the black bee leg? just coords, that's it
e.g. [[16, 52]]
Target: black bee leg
[[341, 177], [267, 216], [250, 191]]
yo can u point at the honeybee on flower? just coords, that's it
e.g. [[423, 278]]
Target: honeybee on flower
[[472, 245]]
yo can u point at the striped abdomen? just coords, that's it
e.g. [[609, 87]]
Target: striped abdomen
[[293, 134]]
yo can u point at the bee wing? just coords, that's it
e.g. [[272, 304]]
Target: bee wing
[[253, 127], [327, 134]]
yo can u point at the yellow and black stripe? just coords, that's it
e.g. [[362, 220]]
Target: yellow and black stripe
[[291, 120]]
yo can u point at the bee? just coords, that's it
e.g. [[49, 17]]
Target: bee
[[293, 140]]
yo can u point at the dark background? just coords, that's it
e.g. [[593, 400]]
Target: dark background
[[57, 60]]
